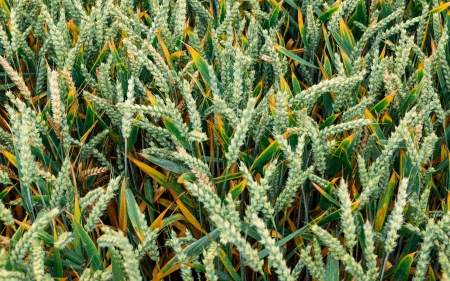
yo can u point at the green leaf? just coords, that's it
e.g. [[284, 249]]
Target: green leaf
[[57, 266], [327, 66], [296, 85], [382, 104], [329, 218], [293, 56], [47, 161], [117, 267], [162, 180], [168, 165], [250, 231], [262, 254], [374, 127], [229, 266], [292, 4], [326, 195], [341, 43], [72, 256], [91, 250], [411, 245], [384, 204], [202, 66], [121, 70], [50, 262], [347, 35], [339, 159], [265, 156], [237, 190], [142, 197], [258, 89], [222, 276], [332, 269], [361, 237], [221, 133], [132, 210], [5, 191], [5, 87], [359, 15], [189, 176], [90, 116], [348, 63], [330, 120], [234, 176], [274, 17], [401, 273], [133, 136], [192, 251], [171, 219], [325, 16], [25, 191], [431, 274], [324, 203], [99, 59], [172, 128]]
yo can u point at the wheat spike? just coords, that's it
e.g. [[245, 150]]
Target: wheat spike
[[91, 172], [55, 126], [9, 171], [15, 78], [181, 105]]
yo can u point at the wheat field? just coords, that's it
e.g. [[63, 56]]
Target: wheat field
[[245, 140]]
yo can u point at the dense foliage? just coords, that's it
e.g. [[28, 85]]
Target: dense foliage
[[224, 140]]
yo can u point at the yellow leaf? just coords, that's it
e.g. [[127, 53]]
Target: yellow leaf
[[440, 8], [11, 157], [188, 214], [77, 211], [163, 274], [85, 136], [164, 48], [156, 222]]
